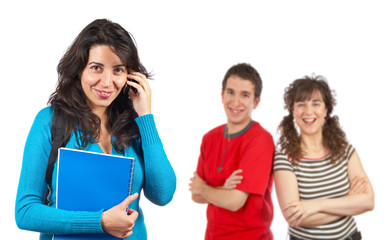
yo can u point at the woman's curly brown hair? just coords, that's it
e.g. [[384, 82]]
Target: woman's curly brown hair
[[334, 137]]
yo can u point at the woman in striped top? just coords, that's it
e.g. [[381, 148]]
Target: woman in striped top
[[319, 178]]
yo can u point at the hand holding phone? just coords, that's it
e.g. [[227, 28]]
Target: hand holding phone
[[140, 92], [133, 88]]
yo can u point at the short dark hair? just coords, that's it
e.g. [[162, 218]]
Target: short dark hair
[[247, 72]]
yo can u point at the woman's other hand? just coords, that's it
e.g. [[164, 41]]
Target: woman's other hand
[[357, 185], [296, 212], [119, 221]]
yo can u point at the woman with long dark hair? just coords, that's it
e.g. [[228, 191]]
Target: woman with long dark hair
[[105, 98], [319, 178]]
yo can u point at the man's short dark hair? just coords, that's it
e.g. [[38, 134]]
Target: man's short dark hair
[[246, 72]]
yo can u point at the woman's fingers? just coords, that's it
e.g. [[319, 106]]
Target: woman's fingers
[[358, 185], [119, 220], [141, 97], [138, 81], [294, 214]]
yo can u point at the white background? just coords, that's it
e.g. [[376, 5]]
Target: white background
[[189, 45]]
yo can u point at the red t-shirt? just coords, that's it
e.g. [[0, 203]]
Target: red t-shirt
[[252, 151]]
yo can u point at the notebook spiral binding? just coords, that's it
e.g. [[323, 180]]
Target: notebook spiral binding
[[131, 177]]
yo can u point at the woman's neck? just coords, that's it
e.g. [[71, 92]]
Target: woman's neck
[[312, 146], [100, 112], [104, 139]]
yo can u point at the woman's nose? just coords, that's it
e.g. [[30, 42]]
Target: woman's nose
[[308, 109], [106, 79]]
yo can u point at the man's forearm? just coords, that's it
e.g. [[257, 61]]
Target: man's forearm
[[230, 199], [198, 198]]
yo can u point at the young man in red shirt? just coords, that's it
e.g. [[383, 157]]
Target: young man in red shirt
[[234, 171]]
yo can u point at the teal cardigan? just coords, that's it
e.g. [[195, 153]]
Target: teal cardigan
[[153, 173]]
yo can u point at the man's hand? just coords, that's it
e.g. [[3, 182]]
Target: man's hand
[[196, 184], [233, 180]]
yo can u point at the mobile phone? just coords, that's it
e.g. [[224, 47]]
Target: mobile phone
[[131, 87]]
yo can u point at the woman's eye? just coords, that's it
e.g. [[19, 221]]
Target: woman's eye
[[317, 104], [96, 68]]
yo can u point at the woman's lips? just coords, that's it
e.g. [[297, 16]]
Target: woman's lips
[[309, 120], [103, 94]]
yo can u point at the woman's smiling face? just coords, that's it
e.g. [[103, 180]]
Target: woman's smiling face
[[310, 114], [103, 77]]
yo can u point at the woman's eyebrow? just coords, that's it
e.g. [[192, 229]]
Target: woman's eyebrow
[[120, 65], [97, 63], [100, 64]]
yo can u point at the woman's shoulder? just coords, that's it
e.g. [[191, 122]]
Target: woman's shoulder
[[280, 154], [45, 113], [40, 130], [349, 150], [282, 161], [43, 120]]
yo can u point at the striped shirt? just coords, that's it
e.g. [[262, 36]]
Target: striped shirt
[[320, 179]]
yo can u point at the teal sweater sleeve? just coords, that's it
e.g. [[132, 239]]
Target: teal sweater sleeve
[[30, 212], [160, 179]]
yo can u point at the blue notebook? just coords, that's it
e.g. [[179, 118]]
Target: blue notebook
[[89, 181]]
